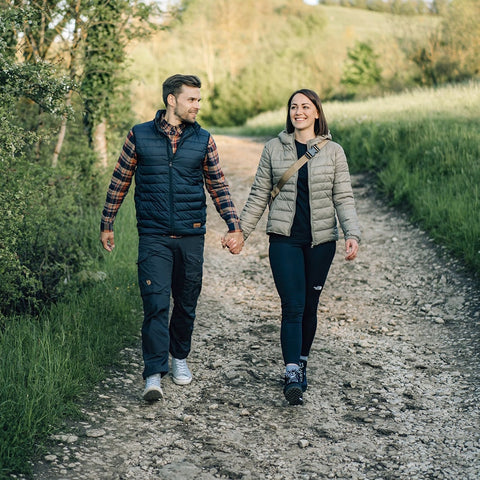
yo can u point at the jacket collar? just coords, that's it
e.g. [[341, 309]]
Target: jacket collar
[[163, 126], [289, 138]]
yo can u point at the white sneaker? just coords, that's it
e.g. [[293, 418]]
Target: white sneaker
[[180, 372], [153, 389]]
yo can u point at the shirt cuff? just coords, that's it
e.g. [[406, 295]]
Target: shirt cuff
[[106, 226]]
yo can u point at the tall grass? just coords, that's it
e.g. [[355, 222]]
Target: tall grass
[[47, 362], [423, 148]]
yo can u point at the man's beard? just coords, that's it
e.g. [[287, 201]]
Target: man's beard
[[182, 118]]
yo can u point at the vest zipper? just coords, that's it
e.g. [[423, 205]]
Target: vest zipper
[[170, 189]]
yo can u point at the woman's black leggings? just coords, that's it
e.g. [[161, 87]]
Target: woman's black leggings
[[299, 272]]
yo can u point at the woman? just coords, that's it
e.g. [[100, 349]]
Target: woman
[[302, 225]]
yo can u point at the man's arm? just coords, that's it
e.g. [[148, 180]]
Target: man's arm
[[117, 190]]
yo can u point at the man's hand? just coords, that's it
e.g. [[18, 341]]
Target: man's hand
[[233, 241], [107, 241], [351, 249]]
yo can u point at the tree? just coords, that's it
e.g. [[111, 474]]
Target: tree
[[452, 52], [74, 35], [112, 24], [361, 69], [103, 58]]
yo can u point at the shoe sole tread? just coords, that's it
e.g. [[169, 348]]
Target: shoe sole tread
[[294, 394], [152, 394]]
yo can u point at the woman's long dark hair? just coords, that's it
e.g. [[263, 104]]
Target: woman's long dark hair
[[321, 127]]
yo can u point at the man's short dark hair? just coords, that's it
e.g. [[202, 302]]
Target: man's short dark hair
[[173, 85]]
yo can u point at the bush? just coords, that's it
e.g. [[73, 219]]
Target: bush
[[42, 234]]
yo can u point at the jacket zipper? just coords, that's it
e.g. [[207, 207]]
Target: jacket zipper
[[171, 155], [170, 179]]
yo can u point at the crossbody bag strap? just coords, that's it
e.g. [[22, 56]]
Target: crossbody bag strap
[[295, 167]]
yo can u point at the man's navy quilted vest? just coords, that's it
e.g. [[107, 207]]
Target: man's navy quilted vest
[[169, 191]]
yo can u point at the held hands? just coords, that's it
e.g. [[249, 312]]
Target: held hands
[[351, 249], [233, 241], [107, 241]]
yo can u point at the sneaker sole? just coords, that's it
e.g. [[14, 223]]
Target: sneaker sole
[[152, 394], [294, 394], [182, 381]]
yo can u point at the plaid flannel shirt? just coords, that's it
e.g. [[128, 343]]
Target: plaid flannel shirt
[[126, 165]]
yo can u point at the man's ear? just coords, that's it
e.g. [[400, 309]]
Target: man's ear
[[171, 100]]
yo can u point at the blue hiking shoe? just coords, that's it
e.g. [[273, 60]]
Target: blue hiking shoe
[[293, 387], [303, 367]]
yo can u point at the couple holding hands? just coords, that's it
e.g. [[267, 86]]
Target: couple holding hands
[[302, 178]]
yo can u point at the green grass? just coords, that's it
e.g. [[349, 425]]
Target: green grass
[[47, 363], [423, 148]]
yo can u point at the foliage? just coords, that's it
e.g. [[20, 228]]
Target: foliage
[[42, 234], [42, 208], [362, 69], [106, 38], [452, 52], [49, 362], [23, 184]]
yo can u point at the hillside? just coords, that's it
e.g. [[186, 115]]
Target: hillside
[[251, 63]]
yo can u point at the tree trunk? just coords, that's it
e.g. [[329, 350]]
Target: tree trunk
[[61, 134], [100, 143]]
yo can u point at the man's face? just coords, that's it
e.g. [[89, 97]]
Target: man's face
[[186, 105]]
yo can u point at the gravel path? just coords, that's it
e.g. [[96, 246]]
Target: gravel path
[[393, 373]]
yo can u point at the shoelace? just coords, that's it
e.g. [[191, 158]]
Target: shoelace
[[153, 382], [182, 368], [294, 376]]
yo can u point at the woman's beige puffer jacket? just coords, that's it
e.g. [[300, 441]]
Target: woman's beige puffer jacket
[[329, 186]]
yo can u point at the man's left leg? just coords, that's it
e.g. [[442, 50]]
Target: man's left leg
[[186, 287]]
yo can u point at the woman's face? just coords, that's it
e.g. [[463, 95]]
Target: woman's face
[[303, 112]]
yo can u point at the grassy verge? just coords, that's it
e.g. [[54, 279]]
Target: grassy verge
[[423, 148], [46, 363]]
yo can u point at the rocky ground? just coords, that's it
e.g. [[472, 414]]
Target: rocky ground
[[393, 374]]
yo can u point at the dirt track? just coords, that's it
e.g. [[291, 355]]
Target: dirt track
[[393, 374]]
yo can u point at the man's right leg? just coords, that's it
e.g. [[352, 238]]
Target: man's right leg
[[155, 262]]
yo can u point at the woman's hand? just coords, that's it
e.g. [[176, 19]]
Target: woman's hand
[[351, 249], [233, 241]]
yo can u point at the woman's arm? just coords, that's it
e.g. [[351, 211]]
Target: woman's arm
[[259, 194]]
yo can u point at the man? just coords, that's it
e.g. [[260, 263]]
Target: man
[[171, 158]]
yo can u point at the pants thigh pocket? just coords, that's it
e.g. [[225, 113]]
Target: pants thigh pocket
[[153, 273]]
